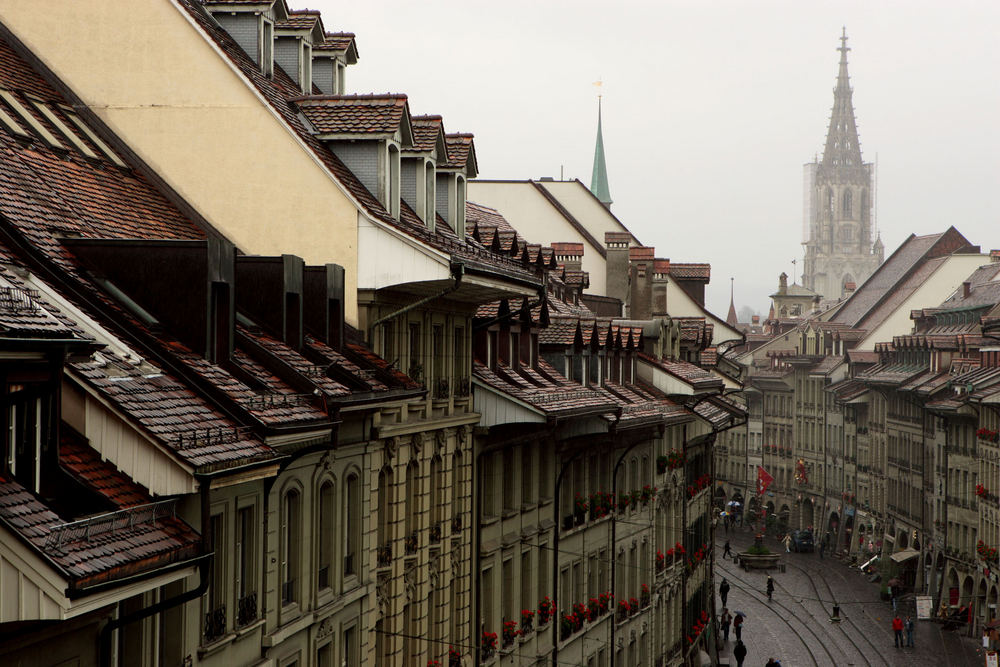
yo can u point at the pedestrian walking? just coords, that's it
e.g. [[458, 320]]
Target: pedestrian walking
[[740, 652], [770, 587], [822, 548], [724, 620], [788, 543], [738, 626], [726, 552], [897, 629], [908, 626], [724, 590], [772, 663]]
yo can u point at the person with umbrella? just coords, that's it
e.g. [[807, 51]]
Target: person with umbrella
[[738, 617]]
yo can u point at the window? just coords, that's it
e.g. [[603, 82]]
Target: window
[[456, 492], [527, 475], [215, 612], [290, 544], [352, 525], [412, 506], [63, 129], [28, 421], [388, 342], [543, 570], [440, 375], [350, 646], [30, 120], [508, 479], [246, 585], [385, 505], [325, 536], [461, 363], [487, 601], [436, 486], [416, 367], [508, 589], [488, 487], [324, 655], [526, 576]]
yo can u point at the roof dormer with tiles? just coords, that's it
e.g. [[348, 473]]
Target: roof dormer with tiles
[[330, 60], [419, 173], [294, 37], [452, 176], [251, 24]]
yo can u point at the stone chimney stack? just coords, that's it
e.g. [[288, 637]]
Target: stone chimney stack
[[755, 320], [783, 283], [661, 269], [617, 278], [641, 261], [569, 255]]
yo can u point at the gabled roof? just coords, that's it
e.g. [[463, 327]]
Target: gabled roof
[[428, 135], [461, 154], [339, 43], [337, 116], [304, 21]]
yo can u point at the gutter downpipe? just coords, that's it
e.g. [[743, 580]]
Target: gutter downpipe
[[204, 575], [457, 271]]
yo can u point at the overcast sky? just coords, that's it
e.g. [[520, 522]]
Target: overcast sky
[[710, 110]]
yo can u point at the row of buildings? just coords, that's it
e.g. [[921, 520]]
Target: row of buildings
[[285, 386], [878, 416]]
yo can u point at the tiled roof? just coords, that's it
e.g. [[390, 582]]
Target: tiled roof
[[720, 412], [335, 41], [113, 547], [848, 389], [695, 376], [354, 114], [86, 466], [984, 289], [426, 130], [298, 20], [174, 415], [826, 366], [295, 361], [891, 373], [553, 398], [279, 90], [691, 271], [459, 148], [559, 332], [901, 263]]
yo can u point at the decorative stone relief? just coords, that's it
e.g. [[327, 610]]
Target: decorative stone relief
[[325, 629], [390, 447], [416, 445], [440, 441]]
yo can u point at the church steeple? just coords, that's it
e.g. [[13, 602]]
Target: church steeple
[[599, 179], [843, 151], [732, 319]]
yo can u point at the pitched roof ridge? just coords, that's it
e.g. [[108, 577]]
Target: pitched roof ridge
[[350, 97], [427, 118]]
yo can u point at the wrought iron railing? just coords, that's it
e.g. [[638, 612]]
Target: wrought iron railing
[[246, 609], [215, 623], [112, 522]]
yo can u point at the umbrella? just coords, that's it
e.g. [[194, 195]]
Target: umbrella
[[723, 513], [739, 613], [734, 503]]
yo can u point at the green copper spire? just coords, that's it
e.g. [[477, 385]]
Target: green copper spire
[[599, 180]]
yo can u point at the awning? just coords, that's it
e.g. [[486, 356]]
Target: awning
[[905, 555]]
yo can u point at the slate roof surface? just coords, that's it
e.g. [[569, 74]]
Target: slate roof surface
[[354, 114], [130, 548], [984, 289]]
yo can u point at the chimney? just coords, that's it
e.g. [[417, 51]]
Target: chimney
[[995, 255], [755, 320], [966, 289], [616, 266], [270, 293], [661, 270], [185, 287], [324, 303], [641, 261], [569, 255], [783, 283]]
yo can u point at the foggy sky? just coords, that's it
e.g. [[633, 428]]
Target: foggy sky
[[710, 110]]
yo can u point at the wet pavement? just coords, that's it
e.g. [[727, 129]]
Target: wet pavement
[[795, 626]]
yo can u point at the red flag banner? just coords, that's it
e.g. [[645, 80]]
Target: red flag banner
[[764, 480]]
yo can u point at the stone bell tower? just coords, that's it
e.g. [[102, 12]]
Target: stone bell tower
[[841, 248]]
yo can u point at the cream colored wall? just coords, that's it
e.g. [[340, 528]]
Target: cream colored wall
[[680, 304], [538, 222], [939, 286], [160, 84], [585, 207]]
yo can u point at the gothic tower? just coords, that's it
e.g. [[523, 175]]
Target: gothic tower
[[599, 179], [839, 195]]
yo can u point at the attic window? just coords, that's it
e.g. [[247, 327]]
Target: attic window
[[29, 119], [64, 130], [8, 121], [94, 139]]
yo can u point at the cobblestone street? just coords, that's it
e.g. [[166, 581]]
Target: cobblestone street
[[795, 627]]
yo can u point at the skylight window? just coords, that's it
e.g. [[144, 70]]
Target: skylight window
[[29, 119], [94, 139], [64, 130], [8, 121]]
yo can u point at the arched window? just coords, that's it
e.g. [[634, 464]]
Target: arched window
[[435, 487], [326, 536], [291, 517], [847, 204], [352, 524]]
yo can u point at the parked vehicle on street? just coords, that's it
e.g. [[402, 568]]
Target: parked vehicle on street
[[802, 541]]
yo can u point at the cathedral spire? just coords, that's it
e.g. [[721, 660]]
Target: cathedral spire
[[599, 179], [843, 151]]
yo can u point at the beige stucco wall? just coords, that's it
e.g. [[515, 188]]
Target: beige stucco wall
[[938, 287], [161, 85], [586, 208], [539, 222]]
